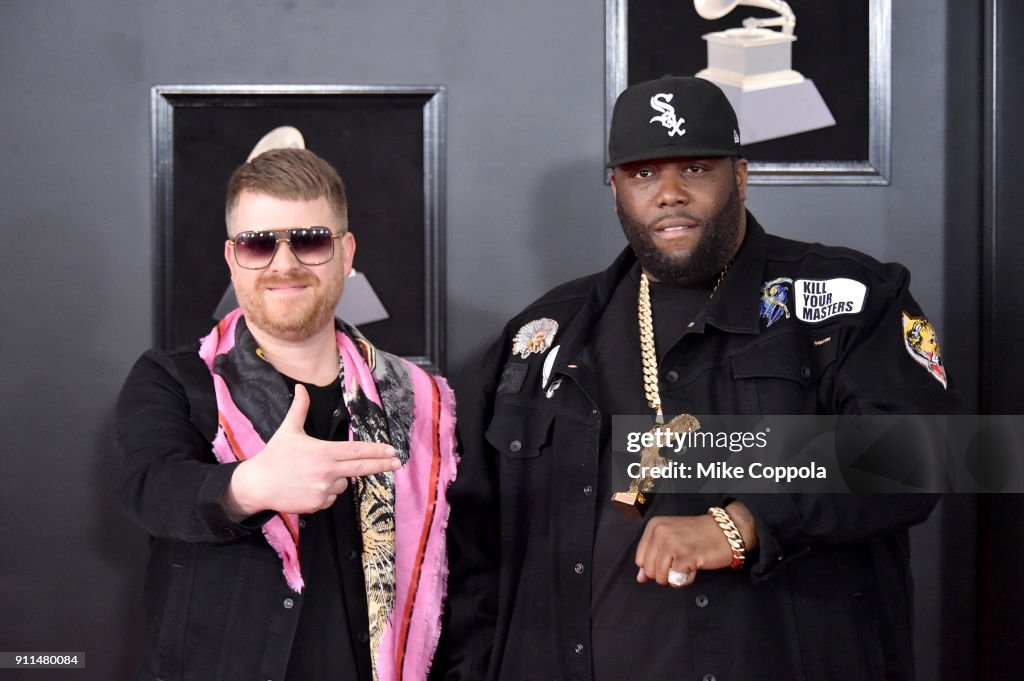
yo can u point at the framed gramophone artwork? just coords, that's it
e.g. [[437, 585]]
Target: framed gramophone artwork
[[809, 80], [387, 142]]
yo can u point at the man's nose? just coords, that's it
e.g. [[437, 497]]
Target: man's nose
[[284, 258], [673, 190]]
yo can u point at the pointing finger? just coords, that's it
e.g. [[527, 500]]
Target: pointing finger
[[354, 449], [360, 467]]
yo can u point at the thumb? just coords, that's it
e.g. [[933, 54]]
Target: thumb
[[295, 419]]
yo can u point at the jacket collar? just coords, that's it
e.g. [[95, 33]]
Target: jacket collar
[[735, 307], [578, 331]]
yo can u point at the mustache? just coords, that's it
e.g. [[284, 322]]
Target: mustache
[[678, 213], [674, 213], [275, 279]]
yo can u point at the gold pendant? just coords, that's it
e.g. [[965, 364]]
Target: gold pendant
[[635, 502]]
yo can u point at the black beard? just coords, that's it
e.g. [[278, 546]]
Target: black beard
[[714, 251]]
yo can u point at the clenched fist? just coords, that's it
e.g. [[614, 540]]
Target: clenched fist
[[686, 544]]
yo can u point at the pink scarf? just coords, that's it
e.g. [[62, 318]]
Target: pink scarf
[[403, 515]]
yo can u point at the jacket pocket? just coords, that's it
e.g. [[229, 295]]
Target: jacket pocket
[[792, 357], [785, 371], [519, 432], [169, 589]]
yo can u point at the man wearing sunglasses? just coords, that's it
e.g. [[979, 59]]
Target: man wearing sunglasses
[[292, 477]]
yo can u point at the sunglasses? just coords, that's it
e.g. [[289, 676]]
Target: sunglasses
[[311, 246]]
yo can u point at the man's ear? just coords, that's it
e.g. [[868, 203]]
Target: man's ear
[[348, 249], [228, 256], [740, 170], [615, 189]]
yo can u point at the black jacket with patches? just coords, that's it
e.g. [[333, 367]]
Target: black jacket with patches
[[828, 593]]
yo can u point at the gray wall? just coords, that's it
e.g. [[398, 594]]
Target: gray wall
[[526, 209]]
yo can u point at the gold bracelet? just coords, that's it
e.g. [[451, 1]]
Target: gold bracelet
[[732, 535]]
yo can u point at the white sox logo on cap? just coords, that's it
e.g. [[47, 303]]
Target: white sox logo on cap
[[694, 115], [667, 117]]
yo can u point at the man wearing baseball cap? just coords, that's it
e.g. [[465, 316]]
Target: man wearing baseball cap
[[702, 314]]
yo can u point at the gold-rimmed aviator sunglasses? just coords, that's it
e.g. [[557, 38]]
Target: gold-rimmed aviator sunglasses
[[255, 249]]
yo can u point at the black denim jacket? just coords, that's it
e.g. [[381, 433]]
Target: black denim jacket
[[217, 605]]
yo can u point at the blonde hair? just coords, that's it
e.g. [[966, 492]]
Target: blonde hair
[[292, 175]]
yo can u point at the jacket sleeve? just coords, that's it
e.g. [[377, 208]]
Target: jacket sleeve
[[171, 484], [471, 608], [875, 375]]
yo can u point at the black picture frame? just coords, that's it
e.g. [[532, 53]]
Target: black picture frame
[[843, 47], [387, 142]]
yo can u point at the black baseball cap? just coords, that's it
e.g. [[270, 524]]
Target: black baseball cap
[[673, 116]]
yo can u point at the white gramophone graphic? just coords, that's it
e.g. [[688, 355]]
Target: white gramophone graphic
[[753, 67], [359, 304]]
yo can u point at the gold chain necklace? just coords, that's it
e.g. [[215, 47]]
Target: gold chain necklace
[[637, 499], [648, 356]]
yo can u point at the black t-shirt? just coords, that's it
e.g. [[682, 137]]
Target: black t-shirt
[[638, 630], [331, 639]]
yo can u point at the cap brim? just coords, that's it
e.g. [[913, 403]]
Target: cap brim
[[671, 152]]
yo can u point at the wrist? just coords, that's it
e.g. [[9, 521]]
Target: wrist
[[238, 501], [745, 523], [732, 536]]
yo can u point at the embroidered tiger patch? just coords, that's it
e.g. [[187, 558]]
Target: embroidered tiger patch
[[922, 343]]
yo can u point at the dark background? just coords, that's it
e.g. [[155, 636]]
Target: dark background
[[527, 208], [831, 49], [375, 142]]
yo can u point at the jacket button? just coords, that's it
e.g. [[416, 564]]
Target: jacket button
[[578, 568], [588, 490], [672, 376], [288, 604], [805, 372], [336, 413], [578, 649], [515, 446], [363, 637], [701, 601], [351, 554], [302, 523]]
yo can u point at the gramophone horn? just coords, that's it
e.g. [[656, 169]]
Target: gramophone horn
[[714, 9]]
